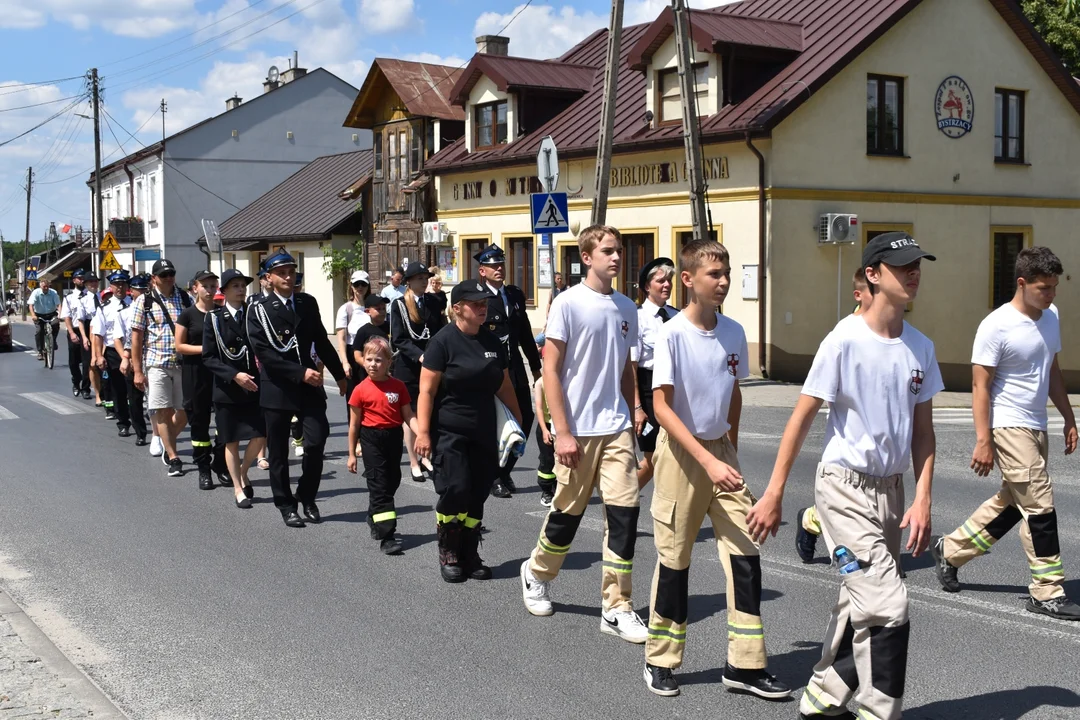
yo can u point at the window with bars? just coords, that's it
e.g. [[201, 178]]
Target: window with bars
[[521, 265], [884, 115], [670, 96], [1009, 126], [491, 128], [1007, 245]]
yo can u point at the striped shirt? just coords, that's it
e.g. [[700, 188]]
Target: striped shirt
[[159, 343]]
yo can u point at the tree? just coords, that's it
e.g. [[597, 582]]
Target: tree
[[1058, 21]]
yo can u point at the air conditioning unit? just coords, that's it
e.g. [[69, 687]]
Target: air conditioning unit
[[837, 228], [435, 233]]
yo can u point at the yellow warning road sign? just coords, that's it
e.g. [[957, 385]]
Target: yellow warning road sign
[[109, 243], [108, 262], [31, 284]]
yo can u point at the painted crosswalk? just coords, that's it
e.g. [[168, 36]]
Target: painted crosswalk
[[6, 414], [962, 417], [57, 403]]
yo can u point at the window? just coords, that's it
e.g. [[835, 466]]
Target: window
[[429, 139], [151, 198], [521, 265], [416, 149], [884, 115], [1006, 245], [670, 97], [473, 247], [638, 250], [490, 125], [403, 156], [376, 143], [139, 199], [1009, 126], [391, 153]]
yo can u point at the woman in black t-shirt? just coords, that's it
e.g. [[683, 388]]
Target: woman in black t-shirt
[[465, 368]]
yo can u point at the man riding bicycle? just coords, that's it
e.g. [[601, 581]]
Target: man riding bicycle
[[44, 304]]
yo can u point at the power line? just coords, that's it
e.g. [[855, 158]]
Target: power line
[[23, 87], [47, 102], [89, 170], [110, 117], [42, 123], [111, 132], [63, 213]]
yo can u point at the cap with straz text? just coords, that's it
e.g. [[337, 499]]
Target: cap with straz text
[[893, 248]]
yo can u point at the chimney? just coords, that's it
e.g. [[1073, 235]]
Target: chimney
[[233, 102], [294, 70], [493, 45]]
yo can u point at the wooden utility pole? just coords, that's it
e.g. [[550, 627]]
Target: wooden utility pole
[[691, 135], [26, 239], [99, 216], [607, 117]]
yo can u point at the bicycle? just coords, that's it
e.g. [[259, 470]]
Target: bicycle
[[48, 348]]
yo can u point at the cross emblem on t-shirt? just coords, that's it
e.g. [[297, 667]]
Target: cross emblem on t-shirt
[[733, 363]]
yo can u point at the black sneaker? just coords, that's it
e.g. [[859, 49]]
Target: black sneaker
[[660, 681], [755, 682], [846, 715], [946, 573], [805, 541], [86, 394], [110, 415], [546, 498], [176, 467], [390, 545], [205, 481], [499, 490], [1060, 608]]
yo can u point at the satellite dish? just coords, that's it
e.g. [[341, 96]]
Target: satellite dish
[[272, 74]]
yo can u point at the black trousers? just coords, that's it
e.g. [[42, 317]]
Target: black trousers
[[106, 387], [382, 448], [198, 386], [316, 429], [524, 397], [75, 366], [466, 466], [85, 356], [118, 389], [647, 441], [545, 466], [135, 406], [43, 329]]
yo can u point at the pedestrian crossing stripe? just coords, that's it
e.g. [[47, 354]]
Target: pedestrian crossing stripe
[[6, 414], [57, 403]]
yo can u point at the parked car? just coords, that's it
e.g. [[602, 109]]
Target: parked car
[[5, 333]]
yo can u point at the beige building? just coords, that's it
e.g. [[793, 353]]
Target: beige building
[[950, 119]]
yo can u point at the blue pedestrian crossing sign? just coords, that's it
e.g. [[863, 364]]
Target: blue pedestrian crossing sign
[[550, 212], [31, 275]]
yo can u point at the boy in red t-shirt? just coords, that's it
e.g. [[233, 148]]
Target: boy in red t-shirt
[[380, 405]]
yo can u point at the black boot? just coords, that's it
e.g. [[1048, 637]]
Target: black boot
[[205, 481], [449, 552], [470, 556]]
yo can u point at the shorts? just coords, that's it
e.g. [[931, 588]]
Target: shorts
[[164, 389]]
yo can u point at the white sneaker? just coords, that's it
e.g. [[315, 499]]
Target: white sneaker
[[536, 594], [624, 624], [156, 448], [299, 451]]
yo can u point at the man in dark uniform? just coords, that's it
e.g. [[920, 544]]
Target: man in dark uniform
[[71, 314], [507, 318], [282, 328]]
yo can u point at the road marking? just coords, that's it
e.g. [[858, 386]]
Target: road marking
[[57, 403], [6, 414]]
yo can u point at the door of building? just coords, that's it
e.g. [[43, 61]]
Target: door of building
[[395, 247], [573, 270]]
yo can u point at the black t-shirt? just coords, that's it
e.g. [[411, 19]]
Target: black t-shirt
[[192, 318], [365, 333], [472, 368]]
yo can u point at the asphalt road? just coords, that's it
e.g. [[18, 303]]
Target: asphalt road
[[179, 605]]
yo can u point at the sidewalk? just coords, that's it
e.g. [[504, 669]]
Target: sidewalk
[[37, 681], [757, 392]]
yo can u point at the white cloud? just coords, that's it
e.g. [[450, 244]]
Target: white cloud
[[644, 11], [433, 59], [540, 31], [15, 15], [380, 16], [132, 18]]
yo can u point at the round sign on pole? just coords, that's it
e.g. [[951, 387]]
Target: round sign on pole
[[954, 107]]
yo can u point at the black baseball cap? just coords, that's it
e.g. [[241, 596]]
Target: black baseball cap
[[373, 300], [163, 266], [893, 248], [231, 274], [469, 291], [202, 275]]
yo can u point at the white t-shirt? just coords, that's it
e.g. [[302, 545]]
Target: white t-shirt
[[649, 324], [598, 331], [351, 317], [1022, 350], [702, 368], [872, 385]]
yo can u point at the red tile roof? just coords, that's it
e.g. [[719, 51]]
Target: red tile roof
[[515, 72], [424, 89], [834, 32]]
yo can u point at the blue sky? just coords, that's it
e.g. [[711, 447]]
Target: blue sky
[[197, 53]]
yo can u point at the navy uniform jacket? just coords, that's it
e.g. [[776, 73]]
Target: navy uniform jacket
[[514, 330], [234, 337], [407, 350], [282, 385]]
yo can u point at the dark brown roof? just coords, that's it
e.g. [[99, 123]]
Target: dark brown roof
[[834, 32], [424, 89], [306, 205], [515, 72], [711, 29]]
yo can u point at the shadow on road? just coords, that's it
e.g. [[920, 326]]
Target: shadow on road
[[792, 667], [361, 515], [1001, 705]]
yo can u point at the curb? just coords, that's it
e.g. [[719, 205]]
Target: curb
[[79, 684]]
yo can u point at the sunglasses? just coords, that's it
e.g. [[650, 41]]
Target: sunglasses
[[360, 284], [166, 274]]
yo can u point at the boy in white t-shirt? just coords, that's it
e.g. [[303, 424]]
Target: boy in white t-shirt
[[879, 376], [697, 475], [589, 386], [1014, 371]]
